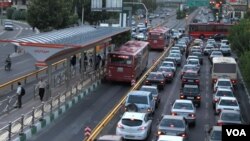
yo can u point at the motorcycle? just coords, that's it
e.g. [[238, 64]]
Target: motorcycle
[[7, 66]]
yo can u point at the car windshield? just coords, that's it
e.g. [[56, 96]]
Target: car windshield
[[152, 76], [138, 99], [224, 46], [131, 122], [225, 93], [184, 106], [190, 90], [229, 102], [224, 83], [174, 55], [216, 135], [172, 123], [189, 74], [230, 116], [194, 62]]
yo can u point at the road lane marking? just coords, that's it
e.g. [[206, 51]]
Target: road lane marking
[[19, 32]]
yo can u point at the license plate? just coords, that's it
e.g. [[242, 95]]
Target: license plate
[[190, 97], [129, 136], [190, 80], [119, 69]]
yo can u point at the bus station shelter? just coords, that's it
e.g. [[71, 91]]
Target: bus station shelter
[[50, 47]]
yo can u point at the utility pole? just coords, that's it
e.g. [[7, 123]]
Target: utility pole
[[82, 12]]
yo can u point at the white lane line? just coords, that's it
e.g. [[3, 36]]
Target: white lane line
[[19, 32]]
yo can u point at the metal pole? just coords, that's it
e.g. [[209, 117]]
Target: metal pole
[[82, 12], [122, 15]]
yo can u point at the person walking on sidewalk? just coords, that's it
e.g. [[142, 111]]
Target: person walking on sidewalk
[[41, 87], [19, 95]]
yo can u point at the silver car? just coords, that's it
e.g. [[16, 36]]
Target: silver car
[[177, 56], [173, 125], [186, 109], [229, 117], [214, 134]]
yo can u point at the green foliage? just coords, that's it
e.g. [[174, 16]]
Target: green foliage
[[239, 37], [180, 14], [244, 64], [9, 12], [19, 15], [121, 38], [50, 14]]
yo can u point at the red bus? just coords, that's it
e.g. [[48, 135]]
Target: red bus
[[206, 30], [128, 62], [158, 37]]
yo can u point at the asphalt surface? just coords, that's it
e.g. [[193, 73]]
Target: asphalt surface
[[21, 64]]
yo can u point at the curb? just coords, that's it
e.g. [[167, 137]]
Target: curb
[[55, 114]]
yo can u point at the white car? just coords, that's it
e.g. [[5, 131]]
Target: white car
[[223, 83], [192, 57], [169, 64], [8, 25], [220, 93], [177, 57], [135, 126], [227, 103], [186, 109], [140, 36]]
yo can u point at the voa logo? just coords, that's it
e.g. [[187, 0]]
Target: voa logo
[[236, 132]]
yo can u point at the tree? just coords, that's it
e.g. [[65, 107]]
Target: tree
[[50, 14]]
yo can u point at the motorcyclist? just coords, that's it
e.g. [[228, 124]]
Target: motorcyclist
[[8, 63]]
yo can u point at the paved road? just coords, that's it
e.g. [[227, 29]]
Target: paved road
[[21, 64]]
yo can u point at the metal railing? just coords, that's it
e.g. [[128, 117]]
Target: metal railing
[[28, 120]]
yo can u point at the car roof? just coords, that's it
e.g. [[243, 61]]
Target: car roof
[[193, 59], [223, 89], [137, 92], [110, 138], [168, 62], [182, 101], [146, 86], [134, 115], [169, 138], [156, 72], [224, 79], [230, 111], [227, 98]]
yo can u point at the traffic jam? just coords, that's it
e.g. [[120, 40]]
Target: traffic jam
[[186, 57]]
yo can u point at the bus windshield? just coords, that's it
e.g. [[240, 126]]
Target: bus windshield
[[120, 59], [224, 68]]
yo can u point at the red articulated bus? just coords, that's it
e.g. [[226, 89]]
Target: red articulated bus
[[158, 38], [206, 30], [128, 62]]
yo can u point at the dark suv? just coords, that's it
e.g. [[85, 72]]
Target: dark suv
[[157, 79], [190, 77], [191, 92]]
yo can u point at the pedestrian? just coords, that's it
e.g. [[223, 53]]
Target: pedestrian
[[73, 60], [19, 95], [41, 88], [98, 60]]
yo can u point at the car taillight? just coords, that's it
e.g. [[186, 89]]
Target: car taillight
[[182, 96], [219, 123], [170, 75], [191, 115], [214, 80], [184, 135], [216, 100], [120, 126], [174, 114], [149, 110], [197, 81], [233, 81], [184, 80], [159, 133], [198, 97], [142, 128], [162, 82]]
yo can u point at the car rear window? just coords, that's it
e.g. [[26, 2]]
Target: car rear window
[[184, 106], [190, 74], [190, 90], [172, 123], [224, 83], [131, 122], [138, 99], [230, 116], [225, 93], [155, 76], [229, 102]]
